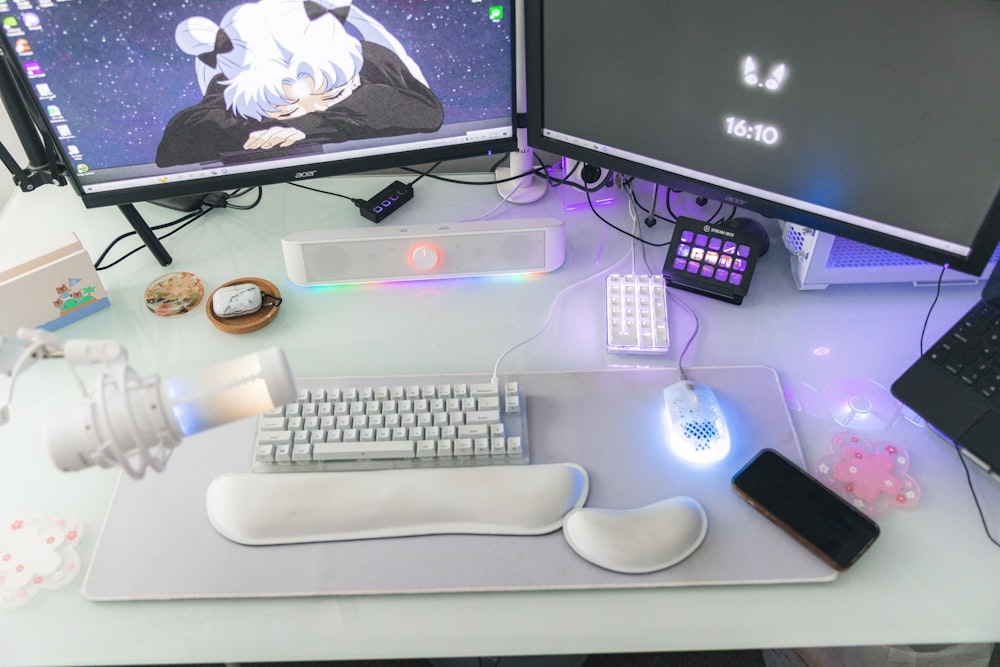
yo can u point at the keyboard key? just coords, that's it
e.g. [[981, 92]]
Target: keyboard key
[[393, 449]]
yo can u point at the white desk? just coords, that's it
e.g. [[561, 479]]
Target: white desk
[[931, 578]]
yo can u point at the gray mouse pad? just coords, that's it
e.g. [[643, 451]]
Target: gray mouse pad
[[157, 542]]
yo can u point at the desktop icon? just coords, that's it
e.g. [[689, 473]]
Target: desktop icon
[[496, 13], [73, 150], [54, 112], [31, 20], [82, 168], [10, 25], [33, 69], [64, 131], [44, 91], [22, 47]]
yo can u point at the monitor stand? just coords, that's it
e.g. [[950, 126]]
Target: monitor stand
[[146, 234], [528, 188], [185, 203]]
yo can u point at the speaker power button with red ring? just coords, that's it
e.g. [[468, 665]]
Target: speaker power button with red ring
[[425, 257]]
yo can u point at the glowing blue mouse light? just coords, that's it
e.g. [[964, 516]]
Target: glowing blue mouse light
[[696, 430]]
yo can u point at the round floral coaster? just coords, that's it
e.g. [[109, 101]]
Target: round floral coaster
[[36, 554], [174, 293], [871, 476]]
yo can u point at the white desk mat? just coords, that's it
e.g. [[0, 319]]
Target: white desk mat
[[157, 542]]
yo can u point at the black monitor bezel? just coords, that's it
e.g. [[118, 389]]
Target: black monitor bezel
[[982, 247], [267, 175]]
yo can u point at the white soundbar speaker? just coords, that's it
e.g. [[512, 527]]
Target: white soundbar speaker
[[419, 252]]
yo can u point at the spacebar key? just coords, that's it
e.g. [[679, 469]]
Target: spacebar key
[[289, 508], [350, 451]]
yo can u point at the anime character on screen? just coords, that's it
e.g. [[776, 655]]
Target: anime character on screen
[[277, 72]]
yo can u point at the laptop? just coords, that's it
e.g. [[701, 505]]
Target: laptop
[[955, 385]]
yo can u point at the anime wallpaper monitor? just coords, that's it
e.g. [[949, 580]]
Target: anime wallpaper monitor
[[141, 92], [277, 72]]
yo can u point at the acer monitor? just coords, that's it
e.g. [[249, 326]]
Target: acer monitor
[[876, 121], [158, 100]]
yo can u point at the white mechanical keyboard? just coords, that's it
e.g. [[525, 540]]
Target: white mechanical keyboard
[[637, 314], [384, 422]]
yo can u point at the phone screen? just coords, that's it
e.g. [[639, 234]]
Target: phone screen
[[813, 514]]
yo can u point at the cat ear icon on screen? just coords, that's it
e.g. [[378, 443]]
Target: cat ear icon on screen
[[774, 81]]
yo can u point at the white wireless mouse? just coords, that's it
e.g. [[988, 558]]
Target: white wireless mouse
[[635, 541], [696, 427]]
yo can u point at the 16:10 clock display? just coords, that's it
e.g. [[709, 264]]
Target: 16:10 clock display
[[762, 133]]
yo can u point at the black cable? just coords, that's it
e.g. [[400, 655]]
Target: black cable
[[975, 497], [496, 165], [124, 236], [445, 179], [209, 203], [635, 199], [541, 170], [638, 228], [927, 319], [425, 173], [354, 200], [180, 224], [958, 448], [565, 180], [732, 214], [240, 193], [710, 218], [556, 182], [619, 229], [666, 201]]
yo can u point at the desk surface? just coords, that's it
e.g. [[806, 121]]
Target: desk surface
[[931, 578]]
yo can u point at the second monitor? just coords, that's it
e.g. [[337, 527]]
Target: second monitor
[[873, 121]]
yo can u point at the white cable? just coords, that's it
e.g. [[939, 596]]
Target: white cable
[[670, 293], [552, 308], [694, 334], [79, 380], [503, 201], [25, 357], [634, 214]]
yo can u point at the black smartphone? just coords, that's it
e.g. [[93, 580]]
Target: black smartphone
[[799, 504]]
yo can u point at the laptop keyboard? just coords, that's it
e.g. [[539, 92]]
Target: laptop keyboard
[[970, 351]]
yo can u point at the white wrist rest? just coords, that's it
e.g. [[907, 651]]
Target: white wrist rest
[[287, 508]]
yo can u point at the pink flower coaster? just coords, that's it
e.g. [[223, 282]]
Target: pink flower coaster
[[871, 476], [36, 554]]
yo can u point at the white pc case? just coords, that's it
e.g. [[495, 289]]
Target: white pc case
[[820, 260]]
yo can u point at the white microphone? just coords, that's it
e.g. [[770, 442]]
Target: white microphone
[[135, 422]]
